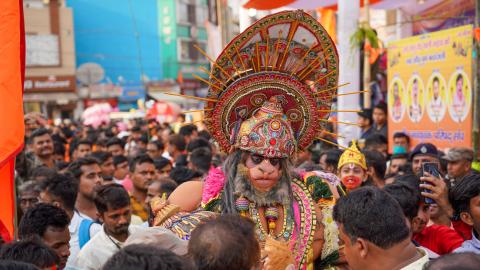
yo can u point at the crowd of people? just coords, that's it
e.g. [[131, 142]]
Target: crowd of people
[[84, 195], [260, 184]]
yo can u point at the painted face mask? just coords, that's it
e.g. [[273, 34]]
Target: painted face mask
[[351, 182]]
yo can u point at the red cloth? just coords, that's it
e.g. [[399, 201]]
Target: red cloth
[[439, 239], [4, 233], [463, 229]]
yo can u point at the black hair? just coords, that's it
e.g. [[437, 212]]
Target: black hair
[[181, 174], [455, 261], [158, 143], [376, 160], [204, 134], [406, 168], [30, 251], [101, 156], [62, 186], [201, 158], [161, 162], [375, 140], [61, 165], [111, 196], [143, 138], [59, 148], [333, 156], [39, 132], [227, 242], [147, 257], [80, 142], [140, 159], [197, 143], [181, 160], [459, 77], [461, 194], [407, 196], [115, 141], [401, 135], [381, 106], [365, 205], [13, 265], [187, 130], [435, 79], [136, 129], [119, 159], [42, 171], [37, 219], [178, 141], [410, 179], [75, 168]]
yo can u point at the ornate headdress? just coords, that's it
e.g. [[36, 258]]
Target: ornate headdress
[[352, 155], [271, 88]]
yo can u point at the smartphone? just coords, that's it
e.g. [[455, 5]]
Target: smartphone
[[432, 169]]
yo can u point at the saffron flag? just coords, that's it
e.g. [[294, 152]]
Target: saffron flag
[[12, 66]]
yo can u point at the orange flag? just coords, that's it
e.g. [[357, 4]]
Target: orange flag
[[12, 66]]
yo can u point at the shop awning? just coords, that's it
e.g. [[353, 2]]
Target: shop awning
[[160, 96], [60, 98]]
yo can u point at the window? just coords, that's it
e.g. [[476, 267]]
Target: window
[[188, 53]]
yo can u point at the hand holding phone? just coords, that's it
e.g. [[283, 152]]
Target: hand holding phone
[[429, 169]]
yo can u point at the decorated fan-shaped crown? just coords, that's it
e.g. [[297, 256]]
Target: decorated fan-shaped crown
[[288, 55]]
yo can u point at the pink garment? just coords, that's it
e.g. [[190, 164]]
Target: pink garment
[[127, 183]]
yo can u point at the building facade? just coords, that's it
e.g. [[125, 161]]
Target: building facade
[[50, 86]]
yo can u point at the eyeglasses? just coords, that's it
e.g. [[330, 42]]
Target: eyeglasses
[[256, 159]]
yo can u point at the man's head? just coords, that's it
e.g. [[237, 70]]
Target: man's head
[[58, 151], [28, 195], [415, 90], [329, 160], [41, 173], [200, 160], [411, 202], [30, 251], [162, 186], [198, 143], [114, 211], [142, 172], [365, 119], [115, 146], [155, 149], [459, 162], [60, 190], [377, 142], [189, 132], [376, 166], [354, 215], [436, 88], [396, 162], [401, 143], [459, 84], [176, 145], [422, 153], [105, 160], [163, 167], [81, 149], [380, 114], [228, 242], [50, 224], [136, 133], [87, 173], [121, 167], [42, 143], [465, 199], [455, 261], [182, 174], [147, 257]]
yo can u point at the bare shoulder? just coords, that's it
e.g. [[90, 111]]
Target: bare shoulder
[[187, 195]]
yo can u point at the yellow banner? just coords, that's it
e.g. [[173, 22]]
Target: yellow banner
[[430, 87]]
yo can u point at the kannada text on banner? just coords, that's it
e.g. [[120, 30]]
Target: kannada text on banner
[[430, 87]]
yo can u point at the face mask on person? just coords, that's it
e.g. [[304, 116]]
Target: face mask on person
[[398, 149]]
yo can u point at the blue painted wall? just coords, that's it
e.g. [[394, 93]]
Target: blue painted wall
[[105, 34]]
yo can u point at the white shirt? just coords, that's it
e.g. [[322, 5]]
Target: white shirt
[[98, 250], [418, 264], [74, 228]]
